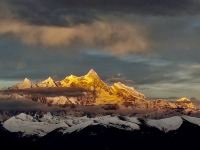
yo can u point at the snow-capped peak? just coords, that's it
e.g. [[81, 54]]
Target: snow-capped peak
[[92, 75], [26, 80], [24, 85], [92, 72], [27, 83], [166, 124]]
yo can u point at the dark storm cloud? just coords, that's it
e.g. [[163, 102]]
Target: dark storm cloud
[[69, 12]]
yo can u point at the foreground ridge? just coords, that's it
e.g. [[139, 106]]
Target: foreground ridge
[[115, 132], [31, 125]]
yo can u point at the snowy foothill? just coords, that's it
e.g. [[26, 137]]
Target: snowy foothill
[[33, 125]]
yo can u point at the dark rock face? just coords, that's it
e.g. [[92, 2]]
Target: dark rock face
[[101, 138]]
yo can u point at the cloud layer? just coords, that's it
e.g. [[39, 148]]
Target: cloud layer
[[115, 26]]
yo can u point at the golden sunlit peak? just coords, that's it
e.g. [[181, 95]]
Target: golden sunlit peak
[[184, 99], [92, 75], [186, 103], [49, 82]]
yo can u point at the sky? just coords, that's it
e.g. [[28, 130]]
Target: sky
[[152, 45]]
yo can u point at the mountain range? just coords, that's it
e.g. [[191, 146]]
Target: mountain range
[[96, 92]]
